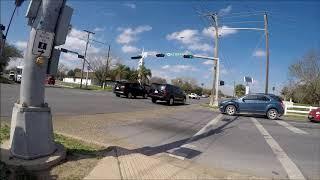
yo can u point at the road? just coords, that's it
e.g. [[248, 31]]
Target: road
[[247, 144]]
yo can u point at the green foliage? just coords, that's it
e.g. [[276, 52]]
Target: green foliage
[[9, 51], [145, 74], [305, 80], [240, 90], [4, 133], [71, 73]]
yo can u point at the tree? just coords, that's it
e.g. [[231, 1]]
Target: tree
[[158, 80], [122, 71], [304, 84], [145, 74], [132, 75], [186, 84], [62, 69], [76, 70], [71, 73], [9, 52], [240, 90]]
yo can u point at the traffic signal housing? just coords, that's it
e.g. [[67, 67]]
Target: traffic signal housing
[[221, 83], [160, 55], [188, 56], [136, 57]]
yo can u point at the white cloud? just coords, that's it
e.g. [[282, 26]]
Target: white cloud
[[178, 68], [190, 38], [259, 53], [223, 31], [22, 45], [129, 49], [98, 29], [208, 62], [225, 10], [130, 5], [129, 35]]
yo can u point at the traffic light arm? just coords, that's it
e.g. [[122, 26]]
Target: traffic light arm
[[205, 57]]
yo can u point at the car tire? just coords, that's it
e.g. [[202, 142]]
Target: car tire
[[129, 95], [154, 100], [230, 110], [272, 114], [170, 101], [118, 95]]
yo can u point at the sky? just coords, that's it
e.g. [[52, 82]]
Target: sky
[[178, 26]]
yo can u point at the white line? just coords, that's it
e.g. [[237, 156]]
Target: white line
[[291, 128], [175, 156], [291, 169], [208, 126]]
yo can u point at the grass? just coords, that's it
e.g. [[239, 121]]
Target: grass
[[5, 80], [81, 158], [208, 106], [89, 87]]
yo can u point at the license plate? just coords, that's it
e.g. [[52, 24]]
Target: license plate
[[117, 87], [156, 91]]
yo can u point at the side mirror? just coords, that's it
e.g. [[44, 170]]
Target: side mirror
[[243, 100]]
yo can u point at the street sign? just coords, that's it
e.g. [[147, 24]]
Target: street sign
[[42, 44], [248, 79]]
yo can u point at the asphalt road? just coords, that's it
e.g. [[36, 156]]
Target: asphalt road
[[64, 101], [247, 144]]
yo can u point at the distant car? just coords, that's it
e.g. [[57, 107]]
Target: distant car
[[51, 80], [193, 96], [267, 104], [130, 90], [314, 115], [167, 92], [204, 96]]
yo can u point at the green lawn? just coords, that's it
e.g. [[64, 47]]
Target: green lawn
[[4, 132], [89, 87]]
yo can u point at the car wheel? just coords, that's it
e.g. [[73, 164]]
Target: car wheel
[[154, 100], [272, 114], [231, 110], [118, 95], [129, 95], [171, 101]]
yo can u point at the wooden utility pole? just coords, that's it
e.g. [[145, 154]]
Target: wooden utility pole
[[106, 72], [215, 82], [267, 51], [85, 54]]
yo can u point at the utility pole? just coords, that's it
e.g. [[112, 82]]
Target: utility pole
[[234, 88], [85, 54], [215, 71], [31, 134], [267, 51], [87, 76], [106, 72]]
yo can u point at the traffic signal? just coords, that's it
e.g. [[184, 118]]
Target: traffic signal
[[2, 27], [160, 55], [18, 2], [221, 83], [80, 56], [188, 56], [136, 57], [64, 50]]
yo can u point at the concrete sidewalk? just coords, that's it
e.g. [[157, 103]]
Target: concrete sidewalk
[[127, 164]]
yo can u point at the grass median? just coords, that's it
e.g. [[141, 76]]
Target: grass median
[[89, 87], [81, 158]]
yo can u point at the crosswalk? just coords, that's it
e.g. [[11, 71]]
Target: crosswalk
[[292, 170]]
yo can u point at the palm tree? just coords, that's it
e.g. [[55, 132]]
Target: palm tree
[[145, 74], [122, 71]]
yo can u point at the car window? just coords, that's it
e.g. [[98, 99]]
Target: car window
[[263, 98], [250, 97], [276, 98]]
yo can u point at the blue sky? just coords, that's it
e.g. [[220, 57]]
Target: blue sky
[[129, 26]]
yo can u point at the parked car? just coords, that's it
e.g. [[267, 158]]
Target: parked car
[[267, 104], [130, 90], [204, 96], [167, 92], [51, 80], [193, 96], [314, 115]]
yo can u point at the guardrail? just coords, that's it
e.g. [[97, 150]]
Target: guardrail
[[303, 110]]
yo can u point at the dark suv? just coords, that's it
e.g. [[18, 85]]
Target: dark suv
[[267, 104], [130, 90], [167, 92]]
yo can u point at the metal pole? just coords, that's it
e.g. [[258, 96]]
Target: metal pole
[[215, 82], [85, 54], [87, 76], [234, 88], [267, 52], [31, 133], [6, 35], [105, 77]]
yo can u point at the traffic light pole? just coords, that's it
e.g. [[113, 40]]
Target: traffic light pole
[[31, 133], [215, 82]]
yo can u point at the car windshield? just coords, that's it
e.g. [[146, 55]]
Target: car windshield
[[160, 89]]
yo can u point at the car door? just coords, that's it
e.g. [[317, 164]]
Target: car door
[[178, 94], [248, 104], [261, 103]]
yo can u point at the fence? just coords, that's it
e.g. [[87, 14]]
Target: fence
[[297, 110]]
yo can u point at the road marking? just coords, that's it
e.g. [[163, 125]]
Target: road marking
[[289, 166], [203, 130], [291, 128]]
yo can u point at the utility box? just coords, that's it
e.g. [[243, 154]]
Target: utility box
[[53, 62], [63, 25]]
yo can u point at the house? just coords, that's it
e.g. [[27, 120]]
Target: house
[[77, 78]]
